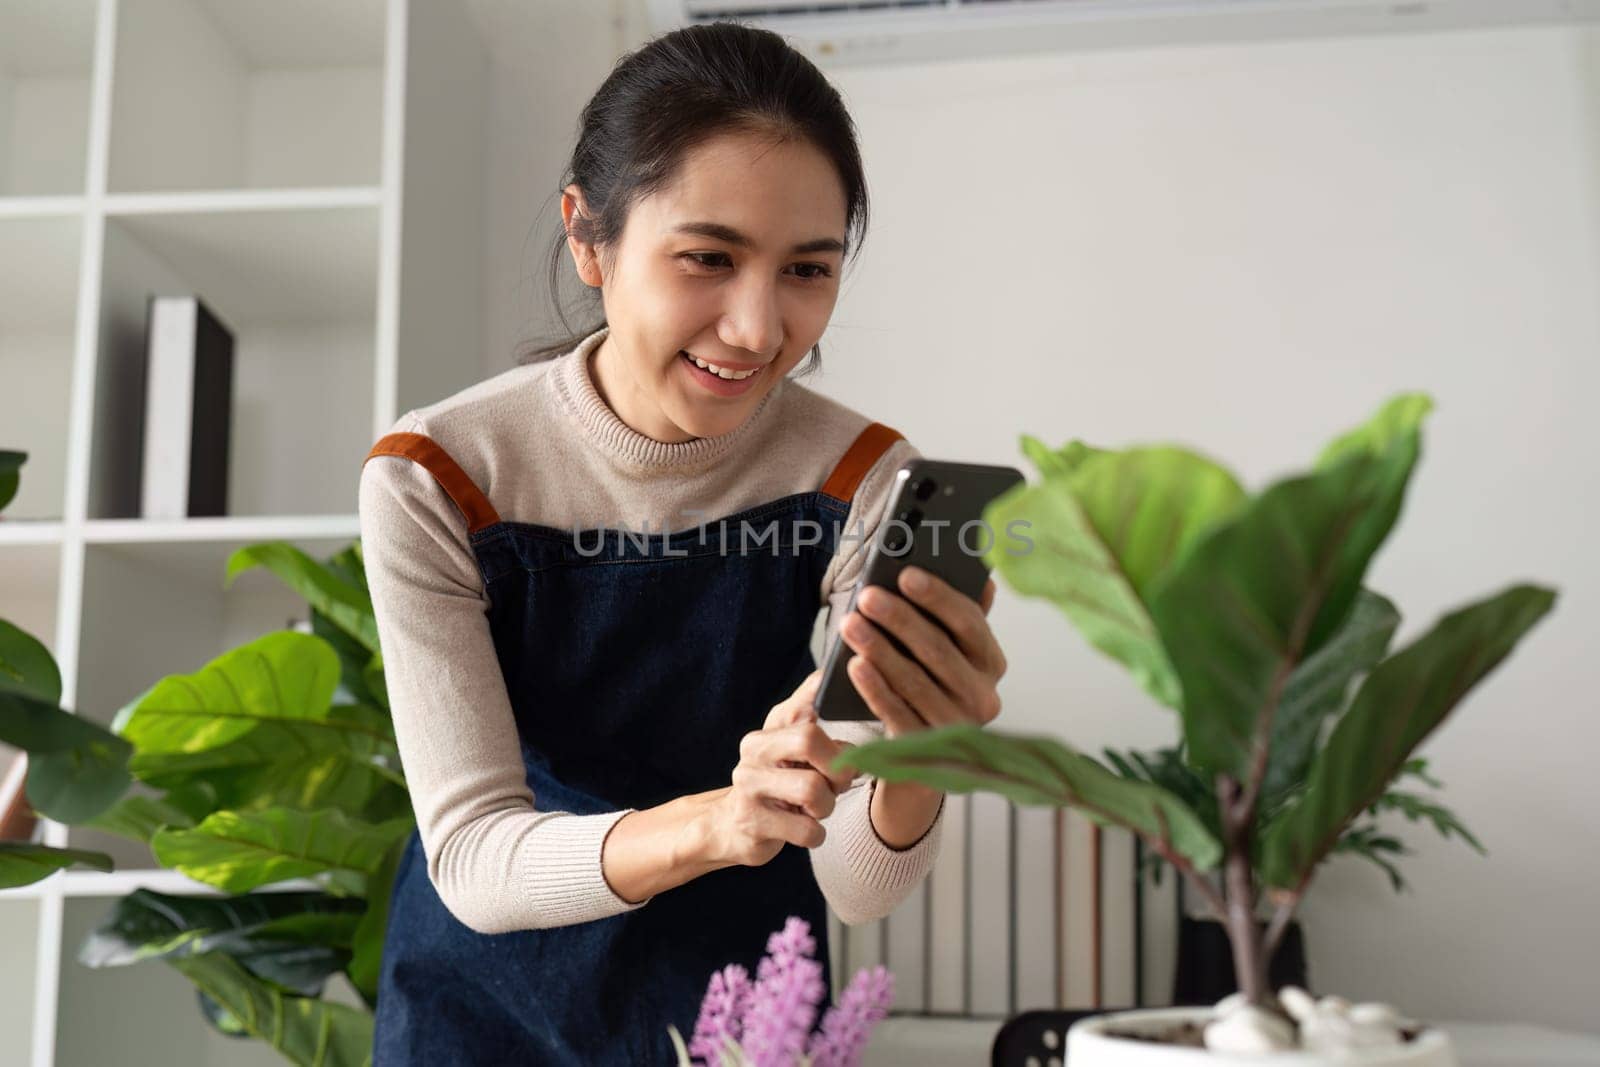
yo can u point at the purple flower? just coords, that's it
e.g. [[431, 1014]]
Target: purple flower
[[783, 1005], [770, 1019], [721, 1013], [845, 1029]]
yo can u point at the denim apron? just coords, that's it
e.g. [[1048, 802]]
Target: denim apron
[[635, 664]]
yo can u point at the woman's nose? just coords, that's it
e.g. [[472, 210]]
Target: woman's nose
[[752, 321]]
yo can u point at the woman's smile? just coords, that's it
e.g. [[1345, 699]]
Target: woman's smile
[[716, 383]]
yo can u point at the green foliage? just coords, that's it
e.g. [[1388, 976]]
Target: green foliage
[[1104, 527], [276, 760], [22, 863], [306, 1030], [1166, 767], [1040, 771], [76, 768], [1267, 588], [1248, 616], [1400, 703]]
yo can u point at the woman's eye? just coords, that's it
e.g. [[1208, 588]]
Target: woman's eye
[[809, 272]]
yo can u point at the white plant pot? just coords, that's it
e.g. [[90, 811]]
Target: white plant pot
[[1089, 1046]]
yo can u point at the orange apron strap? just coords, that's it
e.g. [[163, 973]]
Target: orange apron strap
[[474, 506], [868, 447]]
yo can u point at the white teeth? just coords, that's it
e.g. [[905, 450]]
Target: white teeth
[[721, 372]]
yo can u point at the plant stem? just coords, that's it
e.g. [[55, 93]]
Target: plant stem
[[1243, 937]]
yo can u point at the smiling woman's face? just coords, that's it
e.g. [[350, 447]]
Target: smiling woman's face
[[736, 262]]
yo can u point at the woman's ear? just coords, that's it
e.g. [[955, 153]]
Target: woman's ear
[[584, 258]]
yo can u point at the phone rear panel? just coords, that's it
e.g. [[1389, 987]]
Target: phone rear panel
[[934, 522]]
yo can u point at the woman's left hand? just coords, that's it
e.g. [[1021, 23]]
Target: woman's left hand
[[957, 685]]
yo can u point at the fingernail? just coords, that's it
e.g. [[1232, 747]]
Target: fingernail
[[916, 579]]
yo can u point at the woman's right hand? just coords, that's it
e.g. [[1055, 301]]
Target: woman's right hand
[[782, 787]]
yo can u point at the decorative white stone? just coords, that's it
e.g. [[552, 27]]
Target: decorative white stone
[[1333, 1026], [1229, 1004], [1249, 1029], [1297, 1002]]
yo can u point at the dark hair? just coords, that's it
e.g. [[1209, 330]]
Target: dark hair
[[675, 92]]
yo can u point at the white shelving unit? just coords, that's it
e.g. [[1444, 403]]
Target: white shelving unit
[[314, 172]]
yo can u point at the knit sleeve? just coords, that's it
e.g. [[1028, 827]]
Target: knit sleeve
[[862, 876], [498, 862]]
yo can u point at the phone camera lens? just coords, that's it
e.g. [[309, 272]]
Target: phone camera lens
[[924, 488], [894, 539]]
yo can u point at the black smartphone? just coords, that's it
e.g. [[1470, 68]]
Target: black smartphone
[[935, 521]]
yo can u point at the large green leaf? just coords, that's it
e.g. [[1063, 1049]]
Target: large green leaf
[[1398, 705], [76, 768], [348, 565], [347, 605], [40, 727], [368, 946], [293, 940], [1268, 587], [307, 1031], [27, 667], [24, 864], [1101, 534], [376, 681], [357, 670], [283, 676], [1319, 686], [10, 474], [347, 760], [1038, 771], [79, 783], [237, 851]]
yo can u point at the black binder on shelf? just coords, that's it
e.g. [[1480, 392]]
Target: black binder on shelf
[[188, 410]]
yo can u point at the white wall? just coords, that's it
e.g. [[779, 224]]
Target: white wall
[[1244, 249]]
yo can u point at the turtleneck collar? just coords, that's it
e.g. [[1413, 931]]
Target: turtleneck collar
[[575, 386]]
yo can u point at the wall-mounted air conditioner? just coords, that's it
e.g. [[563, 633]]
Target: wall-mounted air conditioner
[[845, 32]]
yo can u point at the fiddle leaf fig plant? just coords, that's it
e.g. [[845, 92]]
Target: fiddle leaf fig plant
[[1246, 615], [276, 760]]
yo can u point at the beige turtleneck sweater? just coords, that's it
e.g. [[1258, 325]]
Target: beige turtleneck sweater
[[543, 446]]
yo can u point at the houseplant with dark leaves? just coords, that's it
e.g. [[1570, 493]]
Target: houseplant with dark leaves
[[1247, 616]]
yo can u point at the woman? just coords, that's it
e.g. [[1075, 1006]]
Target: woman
[[619, 783]]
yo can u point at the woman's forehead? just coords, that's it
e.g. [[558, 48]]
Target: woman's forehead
[[776, 193]]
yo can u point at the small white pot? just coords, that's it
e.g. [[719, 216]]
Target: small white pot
[[1088, 1046]]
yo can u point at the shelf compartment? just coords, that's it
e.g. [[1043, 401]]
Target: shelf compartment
[[237, 94], [46, 68], [38, 304], [19, 933], [29, 588], [297, 286], [158, 608], [145, 1014]]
